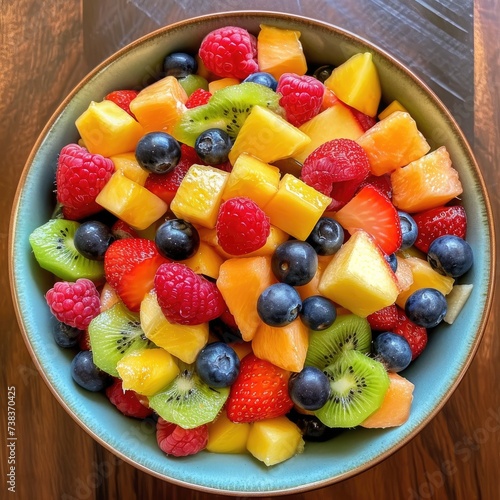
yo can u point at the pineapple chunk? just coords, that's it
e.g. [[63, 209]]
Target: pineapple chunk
[[274, 440], [205, 261], [456, 300], [216, 85], [225, 436], [129, 166], [393, 106]]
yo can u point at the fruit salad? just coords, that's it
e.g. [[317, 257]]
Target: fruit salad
[[252, 249]]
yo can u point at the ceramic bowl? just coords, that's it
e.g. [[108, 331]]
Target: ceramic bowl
[[321, 464]]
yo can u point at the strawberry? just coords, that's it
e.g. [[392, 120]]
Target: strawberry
[[121, 229], [381, 182], [198, 98], [123, 99], [438, 222], [130, 265], [127, 402], [259, 392], [178, 442], [372, 211], [414, 334], [384, 320]]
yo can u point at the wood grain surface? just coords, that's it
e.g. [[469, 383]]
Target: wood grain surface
[[45, 51]]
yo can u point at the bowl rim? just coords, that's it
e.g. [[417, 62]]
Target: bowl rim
[[283, 17]]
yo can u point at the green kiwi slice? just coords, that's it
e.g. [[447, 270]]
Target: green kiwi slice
[[114, 333], [347, 332], [187, 401], [53, 247], [227, 109], [358, 385]]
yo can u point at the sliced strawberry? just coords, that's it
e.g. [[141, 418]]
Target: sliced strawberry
[[384, 320], [373, 212], [381, 182], [414, 334], [130, 266], [123, 98], [437, 222], [198, 98]]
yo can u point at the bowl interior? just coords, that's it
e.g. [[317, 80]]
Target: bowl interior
[[435, 374]]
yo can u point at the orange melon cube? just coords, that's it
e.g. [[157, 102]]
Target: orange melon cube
[[216, 85], [284, 346], [395, 408], [280, 51], [311, 288], [129, 166], [426, 183], [393, 142], [241, 281], [158, 106]]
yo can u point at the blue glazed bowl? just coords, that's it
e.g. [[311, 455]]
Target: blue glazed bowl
[[321, 464]]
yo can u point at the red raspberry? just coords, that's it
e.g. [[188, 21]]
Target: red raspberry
[[174, 440], [242, 227], [74, 304], [384, 320], [123, 98], [198, 98], [302, 97], [80, 176], [185, 297], [414, 334], [126, 402], [230, 52]]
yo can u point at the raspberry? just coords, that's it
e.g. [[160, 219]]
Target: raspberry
[[80, 176], [123, 98], [230, 52], [302, 97], [198, 98], [242, 227], [185, 297], [174, 440], [127, 402], [74, 304]]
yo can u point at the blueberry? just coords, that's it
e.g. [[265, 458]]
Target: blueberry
[[177, 239], [213, 146], [310, 388], [392, 350], [217, 364], [92, 239], [279, 304], [326, 237], [263, 78], [409, 230], [158, 152], [86, 374], [318, 312], [312, 428], [393, 261], [179, 64], [66, 336], [323, 72], [294, 262], [426, 307], [450, 255]]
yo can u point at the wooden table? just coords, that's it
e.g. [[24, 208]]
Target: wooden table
[[45, 50]]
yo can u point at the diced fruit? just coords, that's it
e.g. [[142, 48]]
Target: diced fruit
[[393, 142], [131, 202], [274, 440], [267, 136], [393, 106], [215, 85], [160, 105], [205, 261], [199, 195], [311, 288], [225, 436], [129, 166], [359, 278], [147, 371], [280, 51], [296, 207], [107, 129], [182, 341], [426, 183], [356, 83], [395, 409], [403, 274], [456, 300], [109, 297]]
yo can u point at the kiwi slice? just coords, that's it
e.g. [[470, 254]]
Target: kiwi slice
[[54, 249], [187, 401], [347, 332], [227, 109], [114, 333], [358, 385]]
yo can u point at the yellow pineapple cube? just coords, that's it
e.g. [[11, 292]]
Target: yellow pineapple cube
[[107, 129], [147, 371], [296, 207], [225, 436], [131, 202], [182, 341], [391, 108], [359, 278], [199, 195], [205, 261], [216, 85], [267, 136], [129, 166], [252, 178], [274, 440]]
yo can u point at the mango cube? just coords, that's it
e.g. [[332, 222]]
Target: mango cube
[[296, 207], [225, 436], [107, 129], [129, 166], [221, 83], [359, 278], [391, 108], [205, 261]]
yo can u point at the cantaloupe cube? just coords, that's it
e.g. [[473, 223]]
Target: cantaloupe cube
[[359, 278], [129, 166], [311, 288], [225, 436]]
